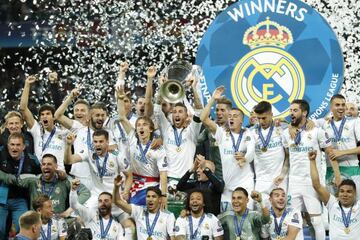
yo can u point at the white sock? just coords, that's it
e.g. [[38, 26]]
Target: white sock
[[318, 226]]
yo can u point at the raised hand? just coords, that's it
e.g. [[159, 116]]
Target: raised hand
[[70, 138], [218, 92], [118, 181], [74, 93], [256, 196], [31, 79], [151, 72], [312, 155], [53, 77], [75, 184]]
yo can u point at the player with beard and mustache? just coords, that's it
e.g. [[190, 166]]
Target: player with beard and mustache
[[53, 228], [199, 224], [344, 209], [344, 134], [47, 137], [180, 139], [237, 150], [49, 182], [101, 222], [300, 189], [151, 221], [104, 165], [223, 107], [83, 142], [286, 222]]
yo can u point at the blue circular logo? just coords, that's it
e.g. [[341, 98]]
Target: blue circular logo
[[272, 50]]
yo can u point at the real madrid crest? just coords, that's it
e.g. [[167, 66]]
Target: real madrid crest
[[266, 60]]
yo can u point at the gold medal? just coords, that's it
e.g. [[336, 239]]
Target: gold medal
[[293, 145], [238, 238], [347, 230], [178, 149], [278, 238], [149, 238], [339, 143], [264, 149]]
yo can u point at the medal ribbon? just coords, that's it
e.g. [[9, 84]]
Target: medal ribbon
[[237, 145], [48, 233], [346, 217], [89, 141], [266, 142], [122, 134], [101, 169], [52, 186], [144, 151], [150, 229], [21, 164], [238, 228], [297, 139], [337, 132], [278, 225], [192, 233], [178, 137], [44, 146], [103, 232]]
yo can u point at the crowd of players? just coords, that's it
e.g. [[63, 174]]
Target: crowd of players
[[262, 181]]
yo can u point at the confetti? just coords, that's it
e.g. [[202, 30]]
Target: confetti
[[84, 41]]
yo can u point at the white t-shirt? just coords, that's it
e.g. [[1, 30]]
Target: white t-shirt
[[314, 139], [84, 137], [164, 226], [156, 159], [178, 161], [210, 227], [268, 164], [58, 229], [336, 227], [119, 136], [55, 147], [92, 221], [115, 164], [233, 174], [349, 137], [292, 218]]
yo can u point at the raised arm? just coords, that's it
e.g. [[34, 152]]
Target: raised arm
[[59, 114], [334, 164], [204, 115], [149, 108], [70, 158], [85, 214], [321, 190], [284, 170], [197, 100], [24, 101], [117, 198], [121, 110], [54, 89]]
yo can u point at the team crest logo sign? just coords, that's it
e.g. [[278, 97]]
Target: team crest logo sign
[[272, 50]]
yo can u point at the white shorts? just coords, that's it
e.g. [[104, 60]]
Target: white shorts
[[304, 198]]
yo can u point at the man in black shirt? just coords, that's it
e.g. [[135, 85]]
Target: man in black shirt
[[205, 180], [13, 199]]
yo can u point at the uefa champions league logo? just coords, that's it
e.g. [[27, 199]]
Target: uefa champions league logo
[[272, 50]]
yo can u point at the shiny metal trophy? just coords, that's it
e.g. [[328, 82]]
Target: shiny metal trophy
[[173, 90]]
